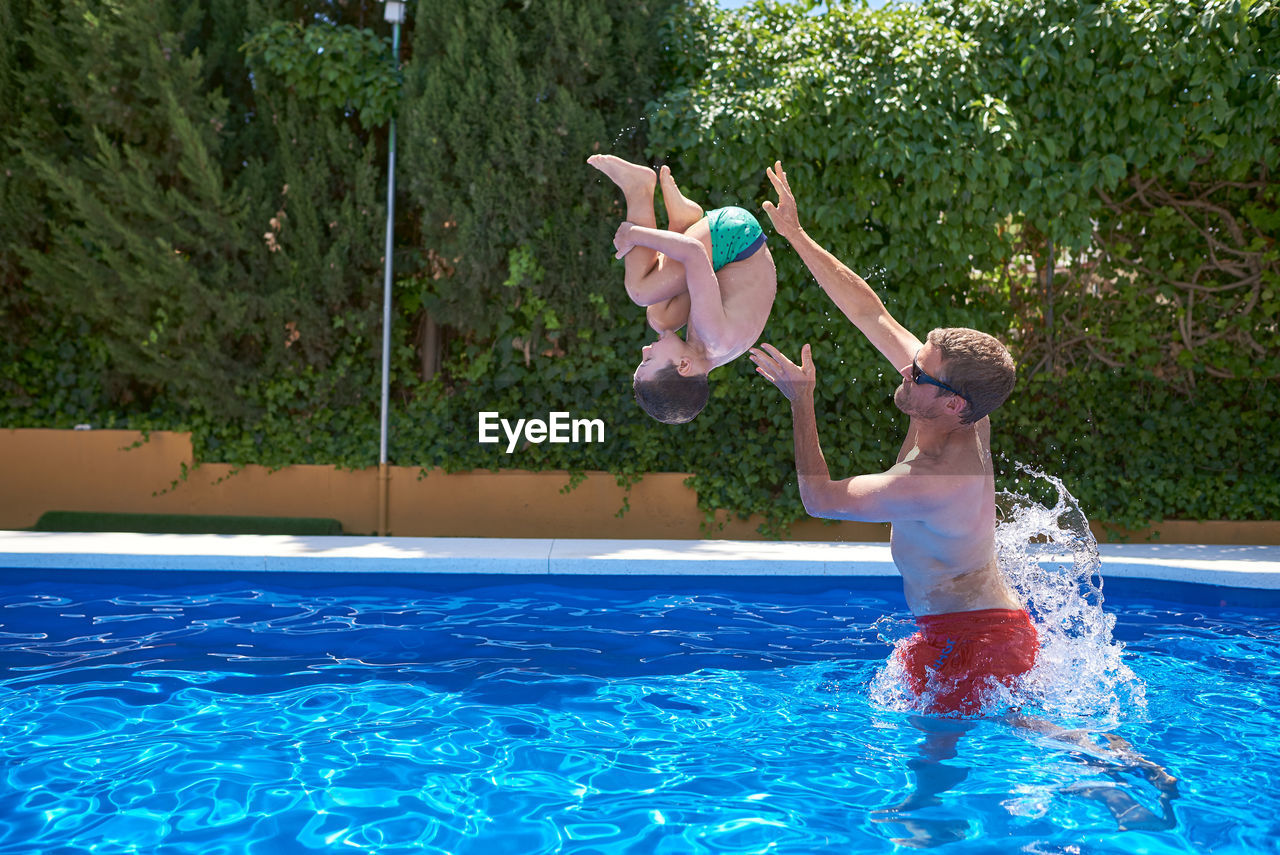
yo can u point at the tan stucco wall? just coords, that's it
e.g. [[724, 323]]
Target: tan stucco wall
[[44, 470]]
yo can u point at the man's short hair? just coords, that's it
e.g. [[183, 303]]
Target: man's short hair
[[672, 398], [976, 365]]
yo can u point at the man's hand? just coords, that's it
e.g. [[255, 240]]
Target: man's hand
[[622, 241], [785, 218], [794, 380]]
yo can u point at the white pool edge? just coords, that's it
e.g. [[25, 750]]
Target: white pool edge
[[1230, 566]]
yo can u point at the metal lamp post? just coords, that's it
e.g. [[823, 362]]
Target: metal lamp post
[[394, 14]]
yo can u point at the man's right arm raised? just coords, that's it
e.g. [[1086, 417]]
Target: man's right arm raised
[[849, 291]]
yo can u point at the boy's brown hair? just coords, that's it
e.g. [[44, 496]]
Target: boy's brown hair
[[672, 398]]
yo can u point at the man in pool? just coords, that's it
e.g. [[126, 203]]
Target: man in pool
[[708, 272], [939, 496]]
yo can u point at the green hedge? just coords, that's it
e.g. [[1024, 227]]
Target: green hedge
[[948, 152]]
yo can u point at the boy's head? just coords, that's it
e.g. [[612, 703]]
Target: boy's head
[[670, 397], [671, 381]]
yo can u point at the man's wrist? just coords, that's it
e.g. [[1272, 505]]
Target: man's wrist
[[803, 398]]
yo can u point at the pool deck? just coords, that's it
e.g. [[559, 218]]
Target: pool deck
[[1256, 567]]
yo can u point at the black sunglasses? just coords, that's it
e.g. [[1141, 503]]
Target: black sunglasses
[[919, 377]]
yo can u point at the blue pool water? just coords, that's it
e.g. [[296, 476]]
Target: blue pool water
[[169, 713]]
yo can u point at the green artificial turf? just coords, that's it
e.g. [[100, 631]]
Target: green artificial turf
[[183, 523]]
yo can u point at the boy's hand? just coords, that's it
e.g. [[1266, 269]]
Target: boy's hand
[[622, 240], [793, 380], [784, 216]]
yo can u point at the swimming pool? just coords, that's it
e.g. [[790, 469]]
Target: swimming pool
[[246, 712]]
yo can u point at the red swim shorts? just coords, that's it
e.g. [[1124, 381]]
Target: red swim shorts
[[955, 656]]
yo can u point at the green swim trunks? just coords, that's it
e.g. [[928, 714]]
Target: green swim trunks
[[735, 235]]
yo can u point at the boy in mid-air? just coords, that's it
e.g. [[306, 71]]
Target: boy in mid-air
[[710, 273]]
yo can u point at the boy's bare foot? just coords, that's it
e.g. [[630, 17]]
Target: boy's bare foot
[[681, 212], [637, 183], [631, 177]]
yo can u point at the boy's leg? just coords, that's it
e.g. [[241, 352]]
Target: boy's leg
[[681, 212], [650, 277], [637, 184]]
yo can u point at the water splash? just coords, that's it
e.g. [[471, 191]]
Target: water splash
[[1050, 559], [629, 131]]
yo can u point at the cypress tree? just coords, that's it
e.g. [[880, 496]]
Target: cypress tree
[[22, 220], [213, 232], [504, 103], [144, 240]]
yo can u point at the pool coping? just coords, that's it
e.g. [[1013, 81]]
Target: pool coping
[[1243, 566]]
